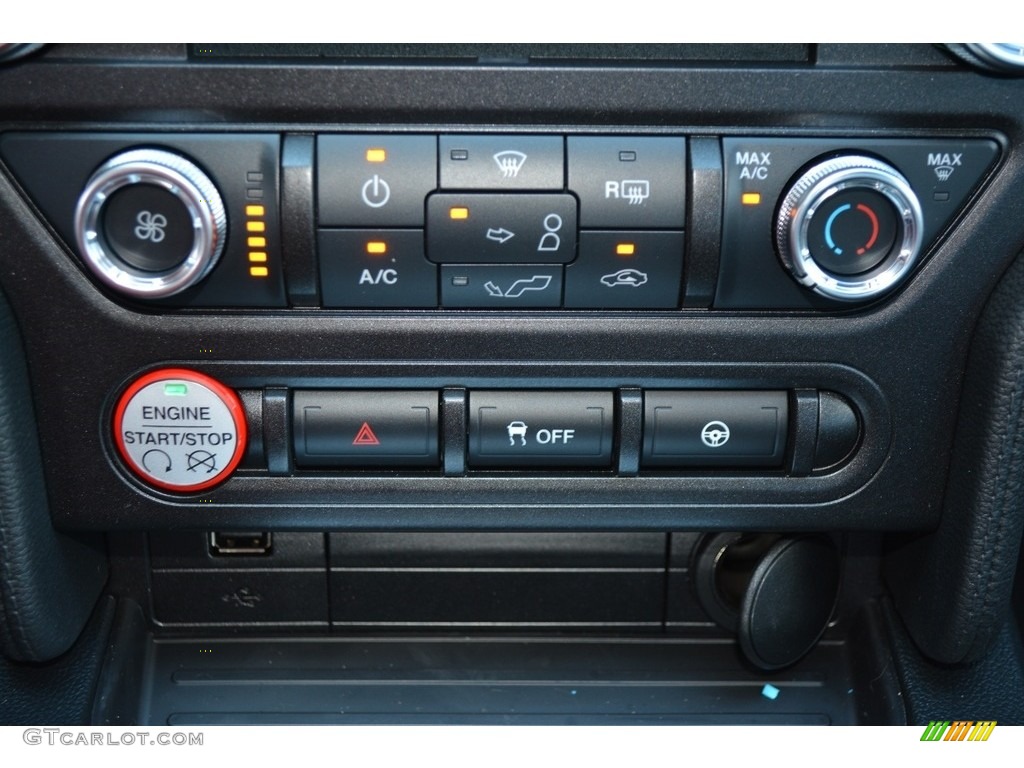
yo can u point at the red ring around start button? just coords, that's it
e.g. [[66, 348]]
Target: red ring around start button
[[180, 430]]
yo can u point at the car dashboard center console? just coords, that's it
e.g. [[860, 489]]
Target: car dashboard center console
[[570, 343], [587, 229]]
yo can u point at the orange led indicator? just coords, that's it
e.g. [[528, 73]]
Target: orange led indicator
[[255, 213], [751, 198], [459, 213], [376, 155], [625, 249], [376, 247]]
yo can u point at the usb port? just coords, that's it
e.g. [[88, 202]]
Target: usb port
[[240, 543]]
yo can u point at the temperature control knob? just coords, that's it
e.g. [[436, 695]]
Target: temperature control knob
[[150, 223], [849, 228], [994, 57]]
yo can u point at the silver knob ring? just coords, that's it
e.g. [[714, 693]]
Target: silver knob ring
[[175, 175], [812, 190]]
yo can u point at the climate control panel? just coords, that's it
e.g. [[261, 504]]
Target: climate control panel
[[498, 221]]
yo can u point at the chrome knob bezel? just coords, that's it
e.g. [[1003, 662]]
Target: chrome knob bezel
[[812, 190], [177, 176]]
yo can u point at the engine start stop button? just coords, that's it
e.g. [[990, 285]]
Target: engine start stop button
[[180, 430]]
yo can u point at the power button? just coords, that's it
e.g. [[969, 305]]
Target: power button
[[180, 430]]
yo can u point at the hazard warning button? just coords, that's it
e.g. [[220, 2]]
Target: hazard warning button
[[337, 428], [180, 430]]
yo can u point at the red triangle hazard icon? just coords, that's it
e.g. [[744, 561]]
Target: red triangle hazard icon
[[365, 436]]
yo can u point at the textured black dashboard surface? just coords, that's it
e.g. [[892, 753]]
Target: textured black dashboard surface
[[977, 544], [59, 692], [986, 689], [49, 582]]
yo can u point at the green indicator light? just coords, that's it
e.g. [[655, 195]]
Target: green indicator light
[[176, 390]]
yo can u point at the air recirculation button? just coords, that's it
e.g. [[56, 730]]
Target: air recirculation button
[[150, 223], [849, 228]]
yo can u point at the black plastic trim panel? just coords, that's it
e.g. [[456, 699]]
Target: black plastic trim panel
[[82, 347], [426, 499]]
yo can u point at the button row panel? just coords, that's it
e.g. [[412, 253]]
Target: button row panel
[[501, 221], [383, 180], [539, 429], [365, 269]]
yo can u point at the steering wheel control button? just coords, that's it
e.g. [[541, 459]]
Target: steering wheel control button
[[372, 268], [150, 223], [629, 182], [500, 163], [626, 270], [540, 429], [850, 228], [501, 229], [499, 286], [365, 429], [714, 428], [374, 180], [180, 430]]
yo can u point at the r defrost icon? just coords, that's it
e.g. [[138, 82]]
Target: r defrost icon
[[633, 191]]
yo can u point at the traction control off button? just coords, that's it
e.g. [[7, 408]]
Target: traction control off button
[[180, 430], [540, 429]]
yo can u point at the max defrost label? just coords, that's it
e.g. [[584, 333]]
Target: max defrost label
[[180, 430]]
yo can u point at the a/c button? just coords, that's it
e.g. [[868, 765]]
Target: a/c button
[[376, 268]]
